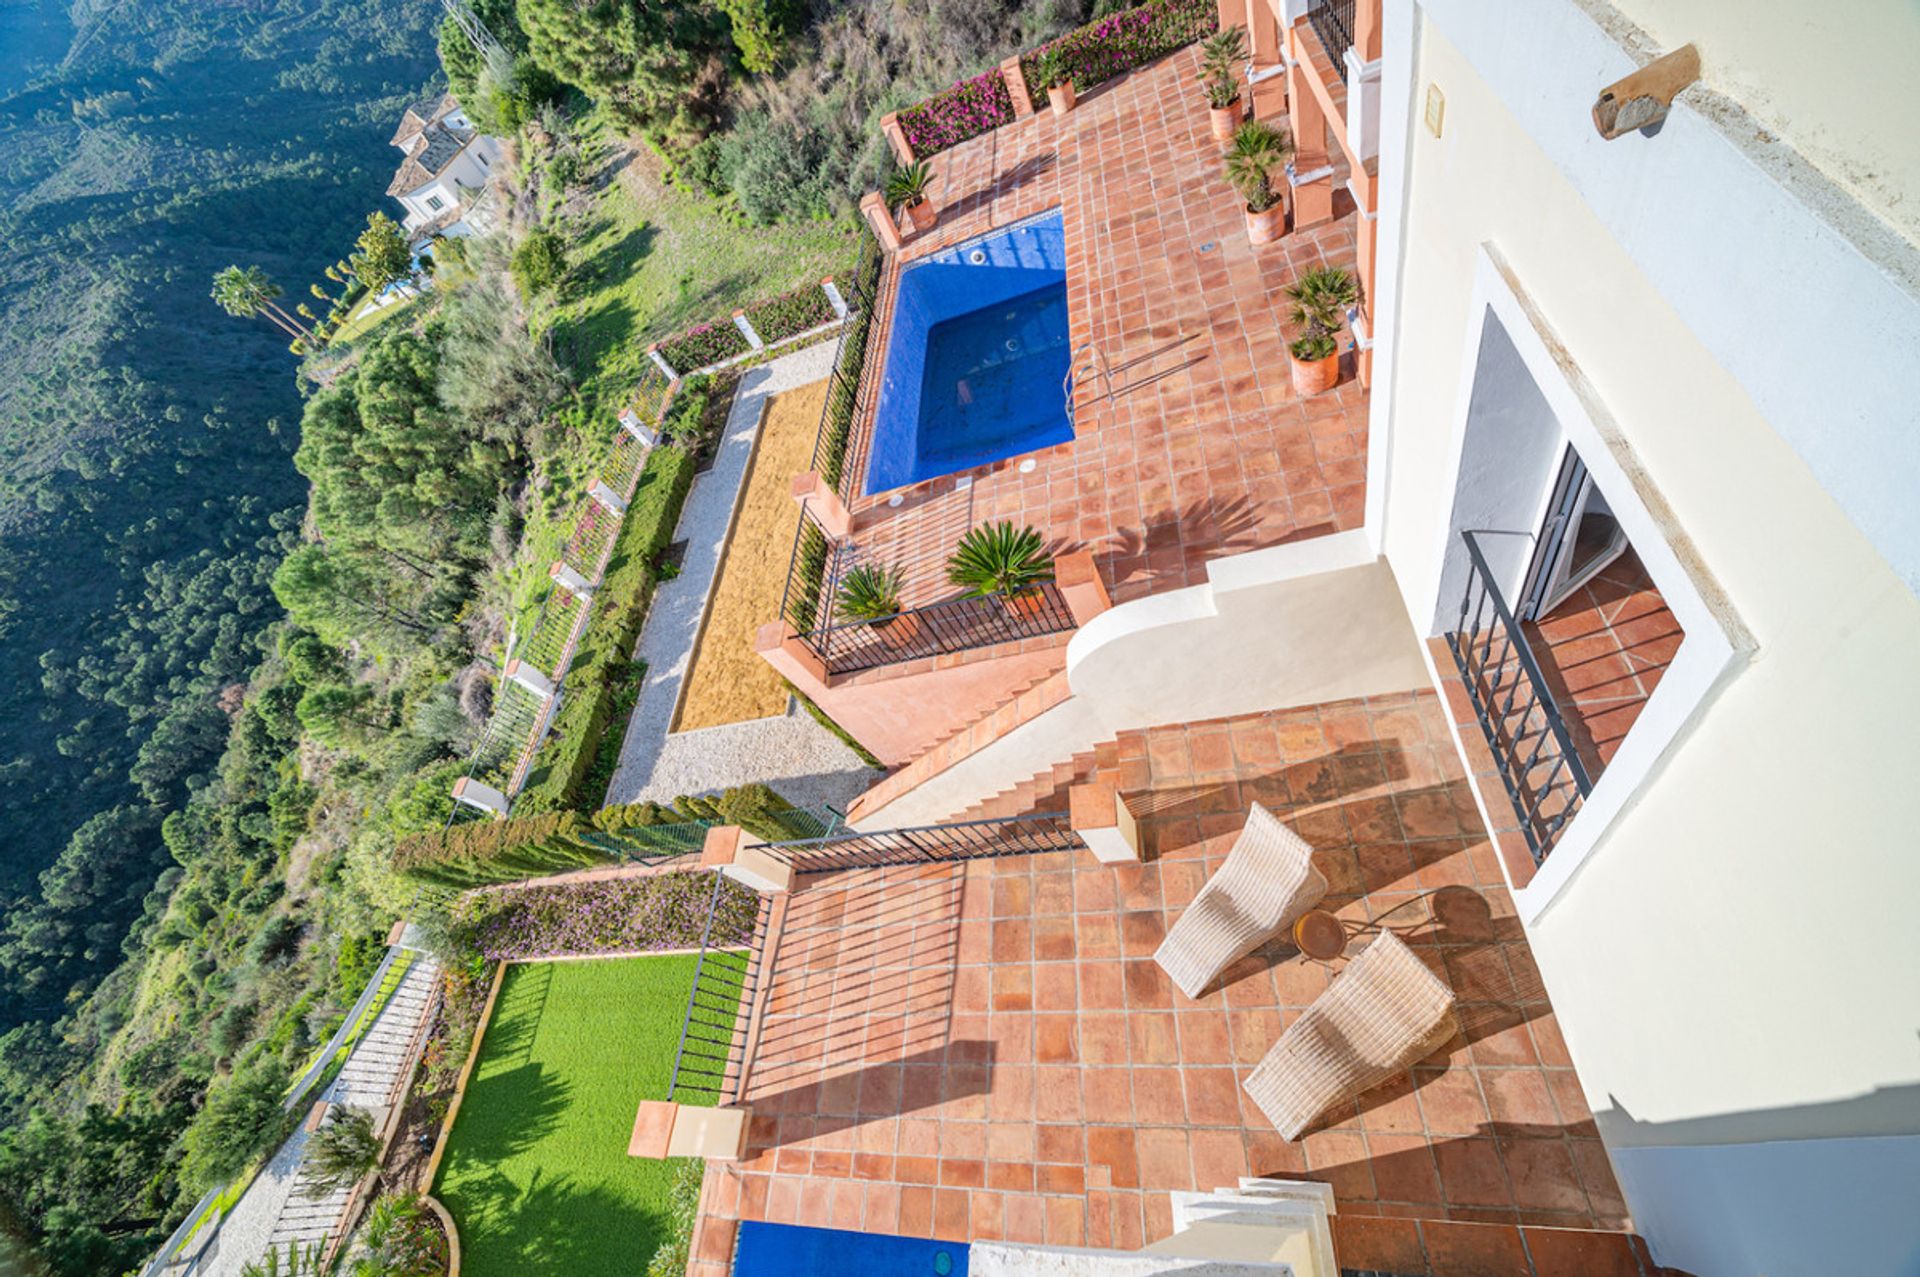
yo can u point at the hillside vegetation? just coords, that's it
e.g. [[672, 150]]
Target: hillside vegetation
[[253, 621]]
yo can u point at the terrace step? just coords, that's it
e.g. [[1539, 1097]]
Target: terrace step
[[1020, 705]]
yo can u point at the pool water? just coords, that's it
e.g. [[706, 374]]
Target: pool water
[[789, 1250], [977, 358]]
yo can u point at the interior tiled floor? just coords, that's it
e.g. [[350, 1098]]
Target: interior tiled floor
[[1604, 650], [1193, 444], [987, 1050]]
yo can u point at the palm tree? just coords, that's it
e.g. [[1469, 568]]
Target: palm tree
[[343, 1150], [247, 291]]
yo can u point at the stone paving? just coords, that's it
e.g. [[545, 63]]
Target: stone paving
[[799, 758], [987, 1050], [1189, 440]]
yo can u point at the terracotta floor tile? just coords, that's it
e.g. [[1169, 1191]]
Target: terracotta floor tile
[[1011, 1084]]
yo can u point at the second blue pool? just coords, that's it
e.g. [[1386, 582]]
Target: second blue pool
[[977, 358], [790, 1250]]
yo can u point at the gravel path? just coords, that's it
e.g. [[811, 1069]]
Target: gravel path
[[791, 752], [271, 1212]]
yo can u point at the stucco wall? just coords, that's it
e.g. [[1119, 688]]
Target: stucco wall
[[1834, 80], [1737, 959]]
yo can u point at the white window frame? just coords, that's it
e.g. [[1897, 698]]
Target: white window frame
[[434, 203], [1716, 644]]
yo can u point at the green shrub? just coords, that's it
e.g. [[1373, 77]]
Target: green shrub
[[539, 261], [557, 780], [683, 1208]]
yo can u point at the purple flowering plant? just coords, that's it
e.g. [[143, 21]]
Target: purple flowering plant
[[1122, 41], [702, 345], [619, 915], [971, 107]]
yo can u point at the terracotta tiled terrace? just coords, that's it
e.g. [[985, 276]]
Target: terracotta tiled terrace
[[1194, 445], [986, 1050]]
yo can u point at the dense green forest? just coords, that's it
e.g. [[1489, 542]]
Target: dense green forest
[[249, 616]]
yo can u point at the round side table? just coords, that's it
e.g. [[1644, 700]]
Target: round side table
[[1320, 935]]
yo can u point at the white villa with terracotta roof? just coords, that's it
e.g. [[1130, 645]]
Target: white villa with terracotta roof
[[445, 181]]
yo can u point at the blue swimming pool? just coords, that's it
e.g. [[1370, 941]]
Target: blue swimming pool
[[977, 358], [788, 1250]]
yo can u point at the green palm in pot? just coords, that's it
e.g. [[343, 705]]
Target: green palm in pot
[[999, 558]]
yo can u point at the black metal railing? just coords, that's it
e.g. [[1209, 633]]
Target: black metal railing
[[1533, 749], [936, 629], [1332, 21], [845, 645], [840, 409], [929, 844], [709, 1065]]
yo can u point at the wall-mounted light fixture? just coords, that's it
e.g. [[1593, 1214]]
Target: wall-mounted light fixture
[[1641, 100]]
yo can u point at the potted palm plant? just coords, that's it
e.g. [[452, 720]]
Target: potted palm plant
[[1257, 152], [1320, 301], [907, 187], [1219, 54], [1051, 66], [870, 594], [1001, 559]]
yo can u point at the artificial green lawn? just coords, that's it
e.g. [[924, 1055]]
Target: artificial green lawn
[[536, 1173]]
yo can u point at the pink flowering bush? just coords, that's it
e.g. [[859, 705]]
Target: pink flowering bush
[[779, 318], [1122, 41], [702, 345], [622, 915], [968, 109]]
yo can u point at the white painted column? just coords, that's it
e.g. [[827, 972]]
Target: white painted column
[[607, 497], [569, 580], [1363, 104], [834, 299], [660, 361], [530, 678], [484, 797], [631, 423], [745, 326]]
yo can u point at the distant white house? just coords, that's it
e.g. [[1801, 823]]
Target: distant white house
[[446, 181]]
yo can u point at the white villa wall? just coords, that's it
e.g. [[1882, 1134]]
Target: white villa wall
[[1299, 624], [1735, 963], [1835, 81]]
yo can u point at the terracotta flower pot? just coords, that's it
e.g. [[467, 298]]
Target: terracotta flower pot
[[1224, 120], [924, 215], [1267, 225], [1060, 98], [1314, 376], [1026, 605], [898, 632]]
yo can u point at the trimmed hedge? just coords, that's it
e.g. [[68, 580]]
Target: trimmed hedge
[[490, 851], [1119, 42], [557, 781], [756, 808], [979, 104]]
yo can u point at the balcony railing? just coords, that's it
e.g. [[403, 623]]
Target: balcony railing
[[709, 1064], [929, 844], [1332, 21], [1532, 748], [944, 626]]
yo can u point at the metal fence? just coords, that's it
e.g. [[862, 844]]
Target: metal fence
[[1532, 748], [709, 1063], [957, 624], [929, 844], [1332, 21]]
